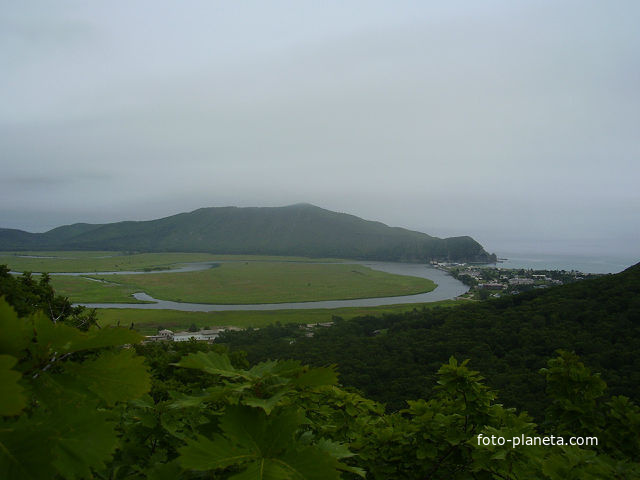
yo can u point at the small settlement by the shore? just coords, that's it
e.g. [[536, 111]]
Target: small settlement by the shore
[[495, 281]]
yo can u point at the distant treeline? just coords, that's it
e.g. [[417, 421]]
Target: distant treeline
[[396, 357]]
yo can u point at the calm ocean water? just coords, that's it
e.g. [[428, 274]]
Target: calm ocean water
[[581, 263]]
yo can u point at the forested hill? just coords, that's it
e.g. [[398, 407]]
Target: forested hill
[[296, 230], [396, 357]]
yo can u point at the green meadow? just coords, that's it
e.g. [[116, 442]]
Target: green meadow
[[86, 290], [272, 282], [246, 279], [116, 262], [149, 321]]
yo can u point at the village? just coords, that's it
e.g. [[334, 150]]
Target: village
[[209, 335], [486, 282], [194, 333]]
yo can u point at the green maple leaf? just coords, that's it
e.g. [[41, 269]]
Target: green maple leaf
[[263, 469], [16, 333], [204, 454], [266, 404], [25, 450], [265, 446], [211, 362], [63, 338], [54, 337], [86, 439], [311, 463], [12, 400], [113, 376]]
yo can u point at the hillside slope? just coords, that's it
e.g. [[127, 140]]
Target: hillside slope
[[395, 357], [302, 230]]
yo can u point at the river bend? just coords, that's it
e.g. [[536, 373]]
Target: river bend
[[448, 288]]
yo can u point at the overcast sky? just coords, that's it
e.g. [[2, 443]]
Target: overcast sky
[[517, 123]]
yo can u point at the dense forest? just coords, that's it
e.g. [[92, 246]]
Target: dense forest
[[396, 357], [296, 230], [80, 401]]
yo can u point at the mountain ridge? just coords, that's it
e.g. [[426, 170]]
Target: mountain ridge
[[294, 230]]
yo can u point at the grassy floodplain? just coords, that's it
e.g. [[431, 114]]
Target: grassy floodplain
[[86, 290], [247, 279], [273, 282], [56, 262], [148, 321]]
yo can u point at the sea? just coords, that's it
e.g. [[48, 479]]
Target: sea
[[580, 263]]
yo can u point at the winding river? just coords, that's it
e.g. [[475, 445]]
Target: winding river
[[448, 288]]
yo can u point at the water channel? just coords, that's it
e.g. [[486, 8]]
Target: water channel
[[448, 288]]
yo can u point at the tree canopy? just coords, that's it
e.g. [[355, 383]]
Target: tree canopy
[[94, 402]]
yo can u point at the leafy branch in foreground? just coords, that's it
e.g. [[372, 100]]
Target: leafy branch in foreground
[[280, 420], [262, 431], [59, 387]]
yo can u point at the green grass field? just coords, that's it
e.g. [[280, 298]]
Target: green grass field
[[116, 262], [148, 321], [249, 279], [272, 282], [84, 290]]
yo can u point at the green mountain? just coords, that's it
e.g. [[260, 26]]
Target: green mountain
[[300, 230]]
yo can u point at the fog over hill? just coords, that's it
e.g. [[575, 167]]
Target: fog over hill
[[301, 229]]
